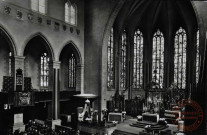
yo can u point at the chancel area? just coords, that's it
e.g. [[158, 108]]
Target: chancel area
[[103, 67]]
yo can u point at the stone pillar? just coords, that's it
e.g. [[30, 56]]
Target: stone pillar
[[117, 41], [17, 63], [80, 78], [130, 59], [190, 61], [54, 85]]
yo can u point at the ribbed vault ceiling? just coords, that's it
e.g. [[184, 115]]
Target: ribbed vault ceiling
[[152, 14]]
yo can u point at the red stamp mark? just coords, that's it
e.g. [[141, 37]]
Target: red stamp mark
[[188, 114]]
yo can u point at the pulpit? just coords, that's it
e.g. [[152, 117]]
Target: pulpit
[[86, 114]]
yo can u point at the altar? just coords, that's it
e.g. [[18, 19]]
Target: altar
[[150, 117]]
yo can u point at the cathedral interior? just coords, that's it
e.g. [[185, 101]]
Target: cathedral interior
[[103, 67]]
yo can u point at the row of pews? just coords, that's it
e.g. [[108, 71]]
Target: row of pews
[[38, 127]]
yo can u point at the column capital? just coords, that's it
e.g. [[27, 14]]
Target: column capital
[[19, 57], [55, 64]]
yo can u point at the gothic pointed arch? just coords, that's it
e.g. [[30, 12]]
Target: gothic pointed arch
[[44, 40], [8, 37], [75, 50], [7, 52], [38, 55], [71, 66]]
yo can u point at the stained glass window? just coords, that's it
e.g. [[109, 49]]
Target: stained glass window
[[72, 72], [110, 61], [158, 58], [44, 70], [123, 61], [73, 14], [39, 6], [197, 57], [70, 13], [180, 58], [138, 60]]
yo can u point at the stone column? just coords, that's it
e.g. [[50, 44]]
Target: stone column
[[17, 63], [80, 78], [54, 85], [130, 59]]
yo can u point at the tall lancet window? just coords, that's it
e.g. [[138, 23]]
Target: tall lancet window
[[42, 6], [123, 60], [72, 72], [197, 58], [70, 13], [67, 11], [180, 58], [138, 60], [39, 6], [158, 58], [35, 5], [110, 60], [44, 67], [73, 14]]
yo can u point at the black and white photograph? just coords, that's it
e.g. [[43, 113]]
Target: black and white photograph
[[103, 67]]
